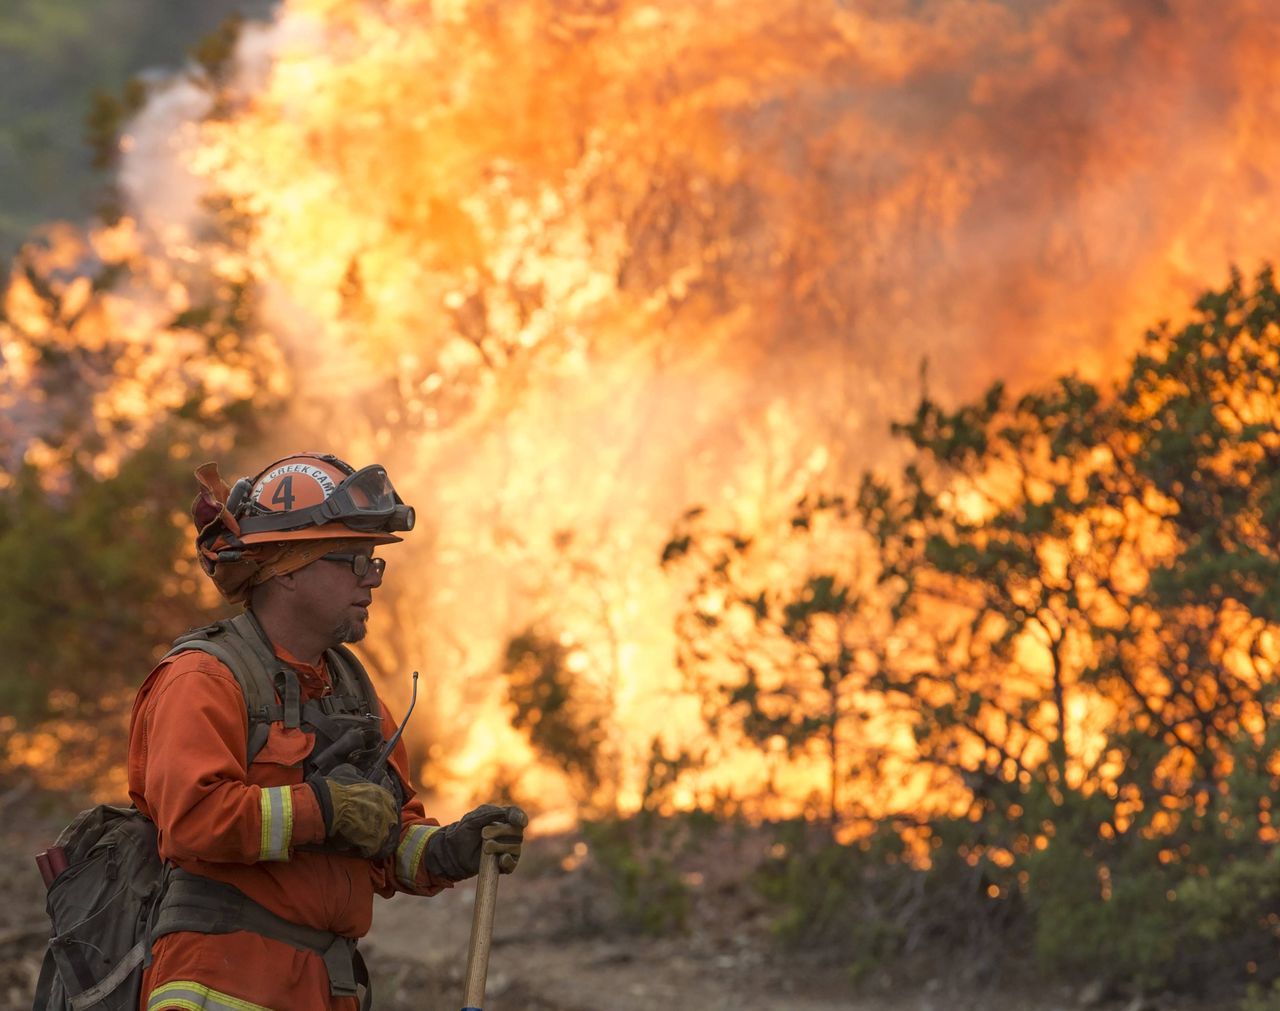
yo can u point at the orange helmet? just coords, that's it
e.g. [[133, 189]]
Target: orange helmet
[[314, 496], [304, 497]]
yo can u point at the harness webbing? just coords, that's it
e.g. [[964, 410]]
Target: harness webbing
[[242, 646], [195, 903]]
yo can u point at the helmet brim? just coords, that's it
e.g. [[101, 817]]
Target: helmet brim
[[327, 531]]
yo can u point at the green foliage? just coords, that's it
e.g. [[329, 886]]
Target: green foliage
[[84, 574], [875, 906], [662, 773], [1201, 408], [1151, 916], [96, 571], [637, 859], [1115, 556], [106, 118], [1085, 582], [779, 664], [214, 52], [1261, 998], [61, 59], [564, 725]]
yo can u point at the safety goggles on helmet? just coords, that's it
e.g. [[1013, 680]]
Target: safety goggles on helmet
[[364, 501]]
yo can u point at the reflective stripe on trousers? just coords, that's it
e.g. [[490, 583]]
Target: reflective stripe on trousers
[[194, 997]]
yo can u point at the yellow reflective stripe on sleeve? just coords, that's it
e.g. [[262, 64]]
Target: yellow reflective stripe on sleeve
[[277, 822], [195, 997], [413, 844]]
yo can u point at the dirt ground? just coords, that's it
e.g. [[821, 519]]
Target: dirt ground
[[553, 947]]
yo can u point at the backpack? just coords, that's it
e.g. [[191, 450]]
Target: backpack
[[102, 906]]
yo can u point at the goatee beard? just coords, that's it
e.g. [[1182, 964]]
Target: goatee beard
[[350, 631]]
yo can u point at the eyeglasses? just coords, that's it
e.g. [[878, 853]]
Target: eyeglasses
[[360, 564]]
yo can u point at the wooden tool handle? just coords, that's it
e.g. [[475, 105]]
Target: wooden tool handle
[[481, 932]]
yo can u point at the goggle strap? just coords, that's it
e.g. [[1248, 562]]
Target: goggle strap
[[276, 522]]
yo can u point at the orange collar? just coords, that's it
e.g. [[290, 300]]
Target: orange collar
[[313, 679]]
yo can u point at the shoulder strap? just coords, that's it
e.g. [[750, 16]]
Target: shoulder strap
[[252, 642], [245, 655], [241, 646], [350, 677], [281, 679]]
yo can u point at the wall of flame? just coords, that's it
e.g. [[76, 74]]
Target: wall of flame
[[570, 268]]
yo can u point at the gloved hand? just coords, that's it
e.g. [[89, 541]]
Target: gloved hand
[[360, 814], [454, 851]]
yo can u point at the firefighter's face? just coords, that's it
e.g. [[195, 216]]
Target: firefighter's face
[[336, 598]]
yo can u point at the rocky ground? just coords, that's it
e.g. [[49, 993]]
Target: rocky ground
[[556, 943]]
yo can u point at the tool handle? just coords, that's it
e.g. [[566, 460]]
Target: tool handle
[[481, 931]]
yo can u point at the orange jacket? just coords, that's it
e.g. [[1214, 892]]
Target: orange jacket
[[215, 817]]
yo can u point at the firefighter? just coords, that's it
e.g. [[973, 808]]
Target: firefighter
[[255, 747]]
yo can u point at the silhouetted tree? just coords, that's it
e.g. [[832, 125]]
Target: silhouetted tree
[[782, 642], [1095, 577]]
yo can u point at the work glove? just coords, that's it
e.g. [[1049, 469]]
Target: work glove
[[357, 813], [454, 851]]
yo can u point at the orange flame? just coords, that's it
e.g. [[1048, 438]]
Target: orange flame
[[569, 268]]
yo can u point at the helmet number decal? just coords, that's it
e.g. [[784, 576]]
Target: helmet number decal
[[284, 494], [292, 486]]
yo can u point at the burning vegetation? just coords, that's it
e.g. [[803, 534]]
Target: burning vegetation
[[625, 296]]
